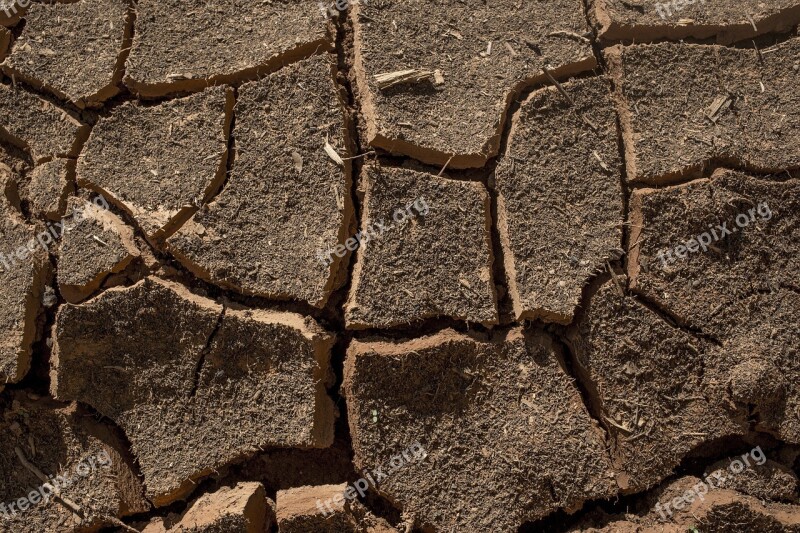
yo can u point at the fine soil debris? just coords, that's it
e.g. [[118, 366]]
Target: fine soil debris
[[48, 188], [188, 380], [727, 21], [484, 53], [701, 247], [425, 251], [179, 46], [646, 378], [38, 125], [259, 236], [685, 107], [62, 470], [560, 207], [489, 414], [24, 272], [72, 50], [160, 163], [97, 243]]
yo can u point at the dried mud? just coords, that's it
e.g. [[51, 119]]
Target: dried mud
[[383, 267]]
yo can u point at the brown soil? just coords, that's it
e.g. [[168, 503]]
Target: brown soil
[[75, 51], [485, 53], [258, 236], [184, 47], [558, 228], [477, 407], [684, 107], [97, 484], [24, 272], [383, 267], [241, 508], [159, 163], [213, 407], [430, 259], [49, 187], [97, 244], [39, 126], [727, 21]]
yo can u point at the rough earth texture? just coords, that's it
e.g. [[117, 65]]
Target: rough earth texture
[[211, 406], [426, 254], [484, 52], [726, 21], [384, 266], [558, 228], [73, 50], [160, 163], [258, 236], [683, 108], [507, 436], [186, 47]]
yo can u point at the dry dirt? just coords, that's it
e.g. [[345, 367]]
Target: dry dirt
[[399, 267]]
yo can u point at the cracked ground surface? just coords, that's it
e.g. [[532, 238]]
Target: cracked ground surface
[[516, 265]]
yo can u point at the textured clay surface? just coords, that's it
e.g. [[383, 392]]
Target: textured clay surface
[[180, 46], [427, 251], [258, 236], [485, 52], [476, 407], [558, 228], [97, 244], [72, 50], [159, 163], [40, 439], [400, 266], [685, 107], [38, 125], [726, 21], [216, 402]]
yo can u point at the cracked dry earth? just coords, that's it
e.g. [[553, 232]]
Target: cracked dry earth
[[419, 266]]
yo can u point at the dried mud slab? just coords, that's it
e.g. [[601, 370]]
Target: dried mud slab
[[560, 198], [757, 368], [181, 47], [727, 21], [646, 378], [96, 244], [484, 54], [75, 50], [748, 227], [768, 481], [427, 251], [684, 107], [500, 421], [77, 455], [719, 511], [193, 386], [239, 509], [312, 508], [39, 126], [48, 188], [159, 163], [285, 200], [24, 272]]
